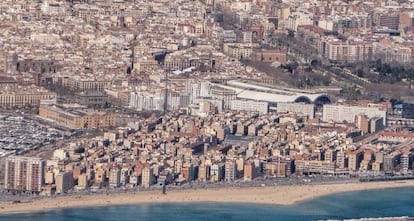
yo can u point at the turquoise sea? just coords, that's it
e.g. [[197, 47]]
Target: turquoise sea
[[372, 203]]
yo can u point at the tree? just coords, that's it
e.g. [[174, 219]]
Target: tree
[[291, 34], [315, 63], [351, 93], [292, 67], [244, 61], [360, 73]]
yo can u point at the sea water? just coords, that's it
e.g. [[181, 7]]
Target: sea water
[[394, 202]]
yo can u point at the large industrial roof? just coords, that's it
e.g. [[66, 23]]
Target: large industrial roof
[[253, 91]]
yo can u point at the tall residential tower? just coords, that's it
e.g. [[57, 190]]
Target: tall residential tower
[[24, 174]]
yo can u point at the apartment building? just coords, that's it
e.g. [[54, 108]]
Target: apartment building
[[147, 177], [299, 18], [86, 84], [341, 113], [307, 109], [230, 171], [239, 50], [64, 182], [248, 105], [76, 117], [19, 96], [24, 174], [146, 101], [355, 159], [347, 51]]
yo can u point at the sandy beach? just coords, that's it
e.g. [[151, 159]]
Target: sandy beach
[[277, 195]]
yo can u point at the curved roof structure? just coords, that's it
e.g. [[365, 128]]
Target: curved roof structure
[[252, 91]]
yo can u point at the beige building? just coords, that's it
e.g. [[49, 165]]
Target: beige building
[[347, 51], [239, 50], [341, 159], [64, 182], [147, 178], [330, 155], [315, 166], [83, 181], [115, 177], [49, 177], [276, 169], [145, 65], [85, 84], [76, 116], [355, 159], [250, 171], [376, 166], [286, 107], [204, 172], [361, 121], [18, 96]]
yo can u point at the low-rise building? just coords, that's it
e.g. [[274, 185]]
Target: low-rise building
[[76, 116], [269, 56]]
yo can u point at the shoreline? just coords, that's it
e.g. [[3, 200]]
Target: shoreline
[[270, 195]]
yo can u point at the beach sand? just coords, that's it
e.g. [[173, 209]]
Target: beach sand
[[276, 195]]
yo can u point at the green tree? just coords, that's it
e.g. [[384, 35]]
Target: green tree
[[360, 73]]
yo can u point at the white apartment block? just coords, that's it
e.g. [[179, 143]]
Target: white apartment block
[[173, 101], [299, 18], [341, 113], [145, 101], [248, 105], [197, 90]]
